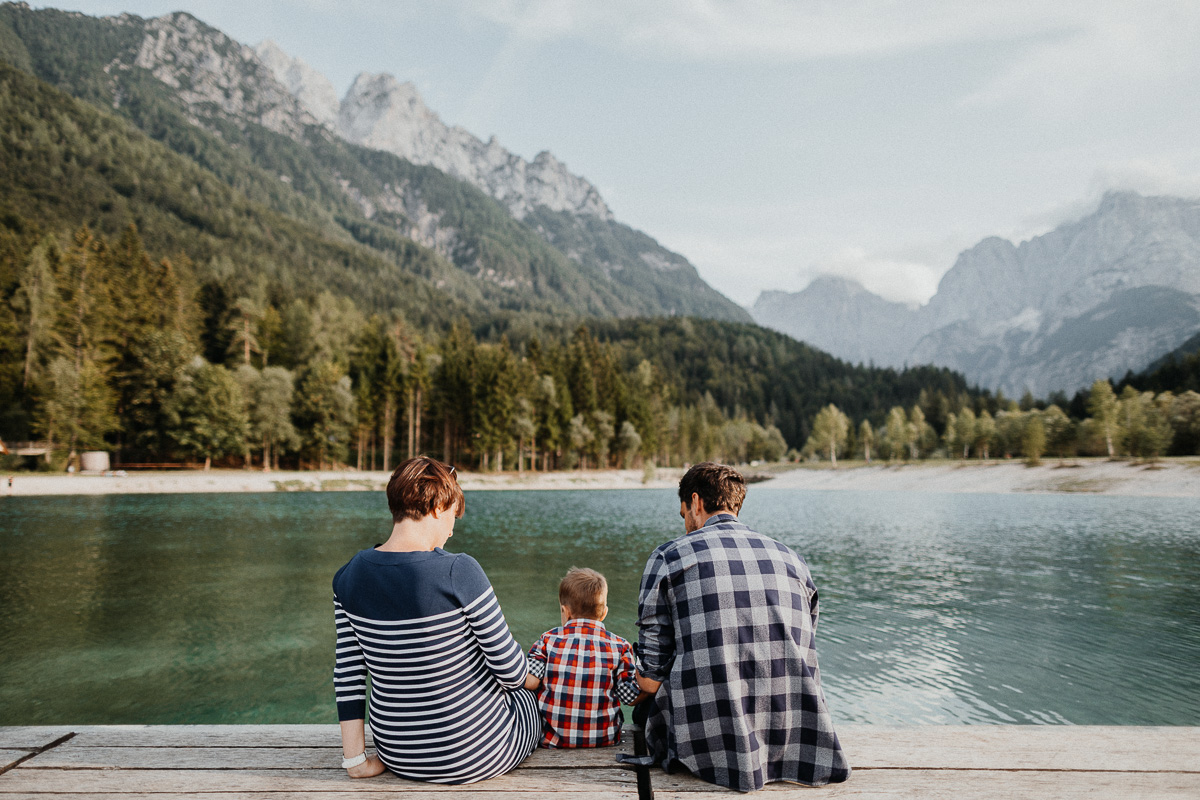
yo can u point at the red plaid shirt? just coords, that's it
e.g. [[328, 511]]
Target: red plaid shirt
[[586, 674]]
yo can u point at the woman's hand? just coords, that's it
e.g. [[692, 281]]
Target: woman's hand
[[368, 769], [353, 742]]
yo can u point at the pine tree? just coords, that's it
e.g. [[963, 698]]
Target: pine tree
[[208, 412], [325, 411], [36, 302]]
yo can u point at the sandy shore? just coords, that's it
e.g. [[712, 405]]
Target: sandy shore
[[190, 481], [1168, 478]]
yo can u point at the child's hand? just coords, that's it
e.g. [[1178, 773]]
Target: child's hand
[[368, 769]]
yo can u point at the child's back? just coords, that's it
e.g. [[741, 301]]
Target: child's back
[[586, 672]]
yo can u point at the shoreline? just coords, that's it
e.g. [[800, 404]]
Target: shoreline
[[219, 481], [1174, 477], [1170, 477]]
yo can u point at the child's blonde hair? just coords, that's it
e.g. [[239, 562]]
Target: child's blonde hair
[[581, 591]]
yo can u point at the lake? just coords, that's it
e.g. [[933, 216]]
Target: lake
[[934, 608]]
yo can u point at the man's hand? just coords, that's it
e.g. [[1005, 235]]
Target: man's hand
[[368, 769], [647, 685]]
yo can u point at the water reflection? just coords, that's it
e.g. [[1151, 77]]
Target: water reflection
[[934, 609]]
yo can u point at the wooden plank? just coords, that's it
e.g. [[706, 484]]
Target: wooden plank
[[27, 778], [1089, 748], [955, 763], [900, 784], [893, 784], [8, 757], [545, 757], [31, 737], [286, 736], [483, 795], [74, 755], [949, 747], [208, 735]]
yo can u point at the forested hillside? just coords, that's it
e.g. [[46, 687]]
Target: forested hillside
[[67, 164], [308, 173], [103, 345]]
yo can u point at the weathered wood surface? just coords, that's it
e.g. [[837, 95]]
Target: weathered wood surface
[[10, 757], [32, 737], [1049, 747], [302, 761]]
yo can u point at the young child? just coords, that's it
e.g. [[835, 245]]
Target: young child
[[580, 671]]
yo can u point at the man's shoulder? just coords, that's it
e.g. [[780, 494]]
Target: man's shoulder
[[724, 533]]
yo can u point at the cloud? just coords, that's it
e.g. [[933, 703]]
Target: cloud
[[891, 278], [1146, 177], [1105, 52], [777, 29]]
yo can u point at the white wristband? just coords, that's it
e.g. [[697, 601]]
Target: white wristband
[[350, 763]]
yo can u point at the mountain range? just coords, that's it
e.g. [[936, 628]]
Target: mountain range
[[377, 168], [1093, 298], [246, 160]]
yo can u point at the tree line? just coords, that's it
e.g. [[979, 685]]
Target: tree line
[[1139, 424], [102, 347]]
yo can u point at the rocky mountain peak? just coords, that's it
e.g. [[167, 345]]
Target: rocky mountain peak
[[312, 89], [264, 84], [383, 113], [1090, 299], [207, 68]]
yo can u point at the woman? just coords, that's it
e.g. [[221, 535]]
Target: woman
[[446, 700]]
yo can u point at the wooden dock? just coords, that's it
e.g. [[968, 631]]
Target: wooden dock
[[276, 762]]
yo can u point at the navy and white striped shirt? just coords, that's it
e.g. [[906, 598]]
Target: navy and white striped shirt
[[446, 703]]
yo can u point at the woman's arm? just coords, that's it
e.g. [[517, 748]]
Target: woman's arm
[[503, 655], [350, 687], [349, 668], [354, 743]]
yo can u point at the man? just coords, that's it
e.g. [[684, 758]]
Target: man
[[727, 621]]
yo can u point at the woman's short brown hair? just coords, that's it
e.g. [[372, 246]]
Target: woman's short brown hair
[[721, 487], [421, 486], [582, 591]]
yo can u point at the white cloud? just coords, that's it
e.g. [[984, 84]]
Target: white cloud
[[891, 278], [1145, 176], [1111, 51], [778, 29]]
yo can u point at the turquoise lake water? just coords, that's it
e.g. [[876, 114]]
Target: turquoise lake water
[[934, 608]]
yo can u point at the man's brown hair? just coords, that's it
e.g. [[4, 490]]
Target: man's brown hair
[[581, 592], [421, 486], [719, 486]]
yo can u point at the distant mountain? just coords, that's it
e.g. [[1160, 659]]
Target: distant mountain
[[840, 316], [1189, 349], [377, 166], [1091, 299]]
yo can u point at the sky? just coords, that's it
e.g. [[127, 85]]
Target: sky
[[773, 141]]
